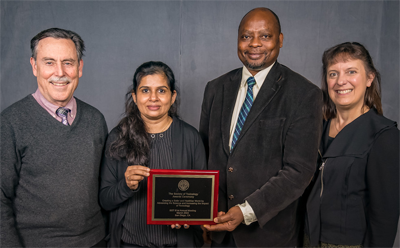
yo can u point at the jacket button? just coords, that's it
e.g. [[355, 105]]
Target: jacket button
[[230, 169], [231, 197]]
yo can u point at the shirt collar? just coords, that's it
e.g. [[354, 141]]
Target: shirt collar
[[51, 108], [259, 77]]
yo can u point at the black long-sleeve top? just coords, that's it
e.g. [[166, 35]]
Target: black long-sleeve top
[[187, 153], [355, 198], [135, 229]]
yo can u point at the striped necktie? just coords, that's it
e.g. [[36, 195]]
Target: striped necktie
[[244, 111], [63, 113]]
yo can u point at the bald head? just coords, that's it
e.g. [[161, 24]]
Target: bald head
[[259, 39], [261, 10]]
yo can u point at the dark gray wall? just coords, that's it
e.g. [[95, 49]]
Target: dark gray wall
[[197, 39], [389, 54]]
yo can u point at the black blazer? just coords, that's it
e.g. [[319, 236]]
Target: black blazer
[[359, 201], [187, 153], [274, 158]]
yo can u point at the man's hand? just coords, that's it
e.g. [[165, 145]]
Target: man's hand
[[206, 235], [134, 174], [227, 221]]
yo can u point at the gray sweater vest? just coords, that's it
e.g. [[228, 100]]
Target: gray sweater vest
[[50, 177]]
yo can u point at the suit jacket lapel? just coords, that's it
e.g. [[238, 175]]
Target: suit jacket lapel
[[230, 91], [270, 87]]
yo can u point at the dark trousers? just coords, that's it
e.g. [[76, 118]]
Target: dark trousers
[[227, 242], [102, 243]]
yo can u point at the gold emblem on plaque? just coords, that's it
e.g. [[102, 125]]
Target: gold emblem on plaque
[[183, 185]]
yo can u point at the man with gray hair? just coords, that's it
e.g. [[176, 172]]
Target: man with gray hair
[[51, 147]]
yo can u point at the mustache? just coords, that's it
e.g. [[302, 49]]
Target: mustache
[[59, 79]]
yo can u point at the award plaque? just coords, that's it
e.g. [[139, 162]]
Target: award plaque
[[182, 197]]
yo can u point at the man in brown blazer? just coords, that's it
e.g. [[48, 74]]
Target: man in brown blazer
[[261, 127]]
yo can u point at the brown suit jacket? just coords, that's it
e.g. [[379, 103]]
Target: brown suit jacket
[[274, 158]]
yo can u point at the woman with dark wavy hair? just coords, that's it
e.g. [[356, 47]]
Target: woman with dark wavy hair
[[150, 136], [354, 200]]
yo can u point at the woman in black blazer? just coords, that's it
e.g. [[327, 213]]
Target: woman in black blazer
[[354, 200], [150, 136]]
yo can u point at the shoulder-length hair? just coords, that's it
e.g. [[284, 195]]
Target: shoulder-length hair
[[350, 51], [133, 142]]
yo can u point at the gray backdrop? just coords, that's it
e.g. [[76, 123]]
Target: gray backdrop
[[197, 39]]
